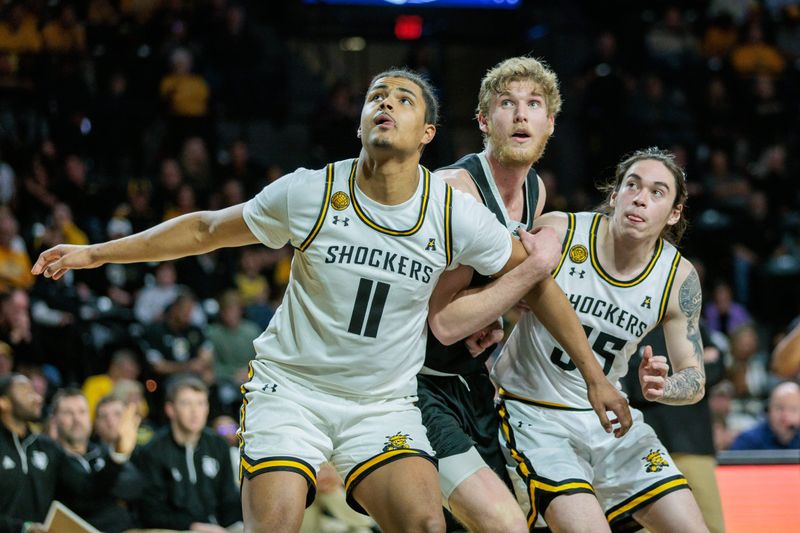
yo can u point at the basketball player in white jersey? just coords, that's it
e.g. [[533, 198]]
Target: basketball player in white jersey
[[334, 379], [623, 276], [518, 101]]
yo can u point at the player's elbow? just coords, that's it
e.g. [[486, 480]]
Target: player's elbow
[[443, 333]]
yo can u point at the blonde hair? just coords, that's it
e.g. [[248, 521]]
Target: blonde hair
[[520, 68]]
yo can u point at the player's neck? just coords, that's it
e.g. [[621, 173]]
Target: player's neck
[[387, 181], [622, 255], [19, 427], [509, 178]]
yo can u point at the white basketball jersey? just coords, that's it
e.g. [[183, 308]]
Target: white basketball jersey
[[615, 314], [353, 320]]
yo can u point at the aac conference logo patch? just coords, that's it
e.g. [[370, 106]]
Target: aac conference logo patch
[[340, 201], [578, 253]]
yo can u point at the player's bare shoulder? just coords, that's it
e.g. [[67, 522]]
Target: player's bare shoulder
[[460, 180], [557, 220]]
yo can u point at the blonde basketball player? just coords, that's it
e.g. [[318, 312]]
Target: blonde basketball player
[[334, 379], [623, 276]]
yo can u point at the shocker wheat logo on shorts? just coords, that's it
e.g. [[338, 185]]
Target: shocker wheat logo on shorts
[[398, 441], [578, 253], [654, 462], [340, 201]]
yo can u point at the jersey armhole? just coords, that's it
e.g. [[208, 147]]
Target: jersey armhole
[[323, 209], [673, 271], [567, 242], [448, 225]]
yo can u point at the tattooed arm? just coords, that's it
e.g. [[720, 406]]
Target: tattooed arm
[[681, 325]]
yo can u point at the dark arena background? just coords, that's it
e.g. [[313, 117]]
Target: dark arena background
[[119, 114]]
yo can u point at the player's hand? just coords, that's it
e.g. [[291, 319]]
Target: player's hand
[[653, 374], [484, 338], [56, 261], [128, 429], [604, 398], [543, 247]]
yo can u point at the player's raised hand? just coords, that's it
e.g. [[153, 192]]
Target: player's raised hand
[[56, 261], [543, 247], [604, 398], [653, 374], [484, 338]]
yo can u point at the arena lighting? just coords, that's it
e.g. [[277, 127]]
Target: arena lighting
[[408, 27]]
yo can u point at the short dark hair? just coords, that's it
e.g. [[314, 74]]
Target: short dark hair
[[105, 400], [184, 381], [428, 92], [6, 382], [67, 392], [672, 233]]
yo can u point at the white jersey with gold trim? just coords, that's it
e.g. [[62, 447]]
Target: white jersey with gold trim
[[353, 320], [615, 314]]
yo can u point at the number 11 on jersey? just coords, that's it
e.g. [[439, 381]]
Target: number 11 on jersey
[[368, 300]]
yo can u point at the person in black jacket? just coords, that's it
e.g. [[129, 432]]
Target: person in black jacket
[[35, 469], [108, 511], [189, 483]]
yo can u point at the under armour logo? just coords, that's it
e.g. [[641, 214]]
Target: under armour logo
[[573, 271], [646, 302], [270, 386], [345, 220], [431, 245]]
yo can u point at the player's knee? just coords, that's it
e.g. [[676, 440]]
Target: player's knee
[[502, 519], [431, 521]]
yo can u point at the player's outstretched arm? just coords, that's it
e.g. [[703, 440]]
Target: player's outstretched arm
[[190, 234], [455, 311], [552, 308], [681, 325]]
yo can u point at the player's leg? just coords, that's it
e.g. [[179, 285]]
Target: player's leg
[[403, 496], [281, 449], [576, 513], [637, 481], [699, 471], [483, 503], [460, 415], [677, 511], [274, 502], [548, 468], [387, 463]]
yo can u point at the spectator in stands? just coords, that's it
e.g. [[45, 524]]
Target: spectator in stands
[[36, 469], [107, 416], [6, 359], [755, 56], [186, 97], [15, 265], [781, 429], [108, 510], [254, 288], [722, 313], [65, 35], [19, 33], [165, 194], [17, 329], [232, 339], [190, 485], [152, 300], [124, 365], [786, 356]]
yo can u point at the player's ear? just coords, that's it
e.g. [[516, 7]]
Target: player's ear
[[613, 199], [483, 124], [358, 132]]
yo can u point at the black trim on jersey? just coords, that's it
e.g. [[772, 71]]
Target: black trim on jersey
[[448, 224], [524, 466], [323, 210], [538, 403], [605, 275], [365, 468], [426, 187], [673, 271], [280, 463], [623, 511], [472, 164], [568, 235]]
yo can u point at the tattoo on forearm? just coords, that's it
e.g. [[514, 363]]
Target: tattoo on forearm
[[684, 386], [690, 299]]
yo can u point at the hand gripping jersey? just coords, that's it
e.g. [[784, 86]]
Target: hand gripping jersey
[[455, 358], [615, 314], [353, 321]]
